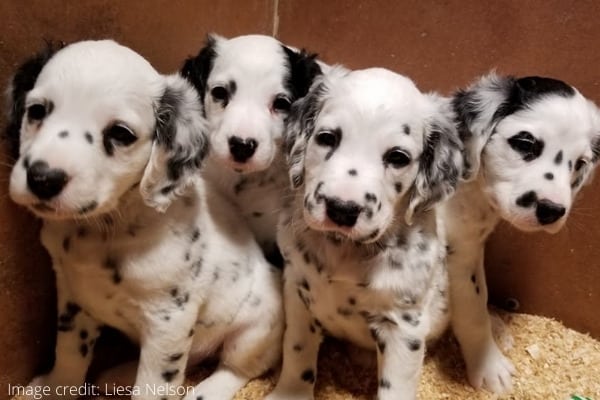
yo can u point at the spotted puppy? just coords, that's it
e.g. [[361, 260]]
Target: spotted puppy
[[369, 157], [248, 84], [530, 144], [109, 151]]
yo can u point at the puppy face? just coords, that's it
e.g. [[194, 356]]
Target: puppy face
[[366, 145], [247, 85], [97, 121], [537, 146]]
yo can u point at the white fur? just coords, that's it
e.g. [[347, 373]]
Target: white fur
[[181, 282], [499, 176], [380, 281]]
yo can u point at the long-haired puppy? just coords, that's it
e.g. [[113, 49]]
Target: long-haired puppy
[[370, 156], [109, 157], [248, 84], [529, 145]]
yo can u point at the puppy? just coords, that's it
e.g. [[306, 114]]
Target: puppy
[[530, 144], [369, 157], [109, 152], [248, 84]]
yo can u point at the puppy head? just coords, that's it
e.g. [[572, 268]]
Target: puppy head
[[367, 146], [533, 142], [95, 121], [247, 85]]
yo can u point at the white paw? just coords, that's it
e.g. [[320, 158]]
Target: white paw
[[490, 369]]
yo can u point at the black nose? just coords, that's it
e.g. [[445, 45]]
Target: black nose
[[343, 213], [44, 181], [548, 212], [242, 149]]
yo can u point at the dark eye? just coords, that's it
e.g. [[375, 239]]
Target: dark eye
[[281, 104], [527, 145], [328, 138], [36, 112], [220, 93], [396, 157], [120, 134], [580, 163]]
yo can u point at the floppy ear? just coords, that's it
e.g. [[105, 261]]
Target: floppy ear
[[440, 164], [22, 82], [196, 69], [299, 127], [476, 110], [179, 146], [303, 69], [583, 174]]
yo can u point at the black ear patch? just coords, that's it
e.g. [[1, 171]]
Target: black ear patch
[[303, 69], [22, 82], [527, 90], [196, 69]]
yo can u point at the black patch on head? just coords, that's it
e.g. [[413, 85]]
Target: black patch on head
[[527, 199], [352, 172], [384, 383], [168, 375], [22, 82], [302, 70], [308, 375], [549, 176], [559, 157], [196, 69]]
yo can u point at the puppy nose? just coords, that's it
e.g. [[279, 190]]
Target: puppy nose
[[242, 149], [343, 213], [45, 182], [548, 212]]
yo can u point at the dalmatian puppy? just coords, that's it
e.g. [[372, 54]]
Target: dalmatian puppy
[[109, 158], [529, 145], [369, 157], [248, 84]]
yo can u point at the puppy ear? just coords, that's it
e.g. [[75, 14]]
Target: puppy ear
[[583, 174], [440, 164], [476, 111], [22, 82], [303, 69], [196, 69], [300, 125], [180, 144]]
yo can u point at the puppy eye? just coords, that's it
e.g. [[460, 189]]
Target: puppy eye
[[328, 138], [396, 157], [527, 145], [219, 93], [281, 104], [120, 134], [36, 112], [580, 163]]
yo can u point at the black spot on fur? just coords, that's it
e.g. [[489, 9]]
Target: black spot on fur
[[88, 137], [175, 357], [352, 172], [88, 207], [370, 197], [398, 187], [413, 344], [344, 312], [527, 199], [308, 375], [168, 375], [83, 350], [65, 319], [63, 134], [558, 158], [408, 318], [195, 235], [305, 284], [191, 333], [196, 69], [257, 214], [473, 278], [384, 383], [352, 301], [116, 277], [297, 347], [167, 189], [66, 244], [406, 129], [549, 176], [477, 289]]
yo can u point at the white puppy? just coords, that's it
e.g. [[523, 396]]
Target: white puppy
[[530, 143], [102, 136], [367, 151], [248, 84]]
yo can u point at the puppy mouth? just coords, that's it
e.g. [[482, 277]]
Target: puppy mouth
[[341, 233]]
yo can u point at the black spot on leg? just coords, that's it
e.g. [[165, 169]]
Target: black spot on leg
[[83, 350], [308, 375], [413, 344], [352, 172], [66, 244], [558, 158], [168, 375], [549, 176], [384, 383]]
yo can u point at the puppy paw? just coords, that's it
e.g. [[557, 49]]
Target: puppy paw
[[488, 368]]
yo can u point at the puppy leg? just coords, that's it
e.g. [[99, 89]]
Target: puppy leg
[[165, 347], [400, 353], [76, 335], [301, 342], [486, 365]]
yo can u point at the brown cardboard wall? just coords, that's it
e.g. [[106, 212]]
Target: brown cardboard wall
[[440, 44]]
